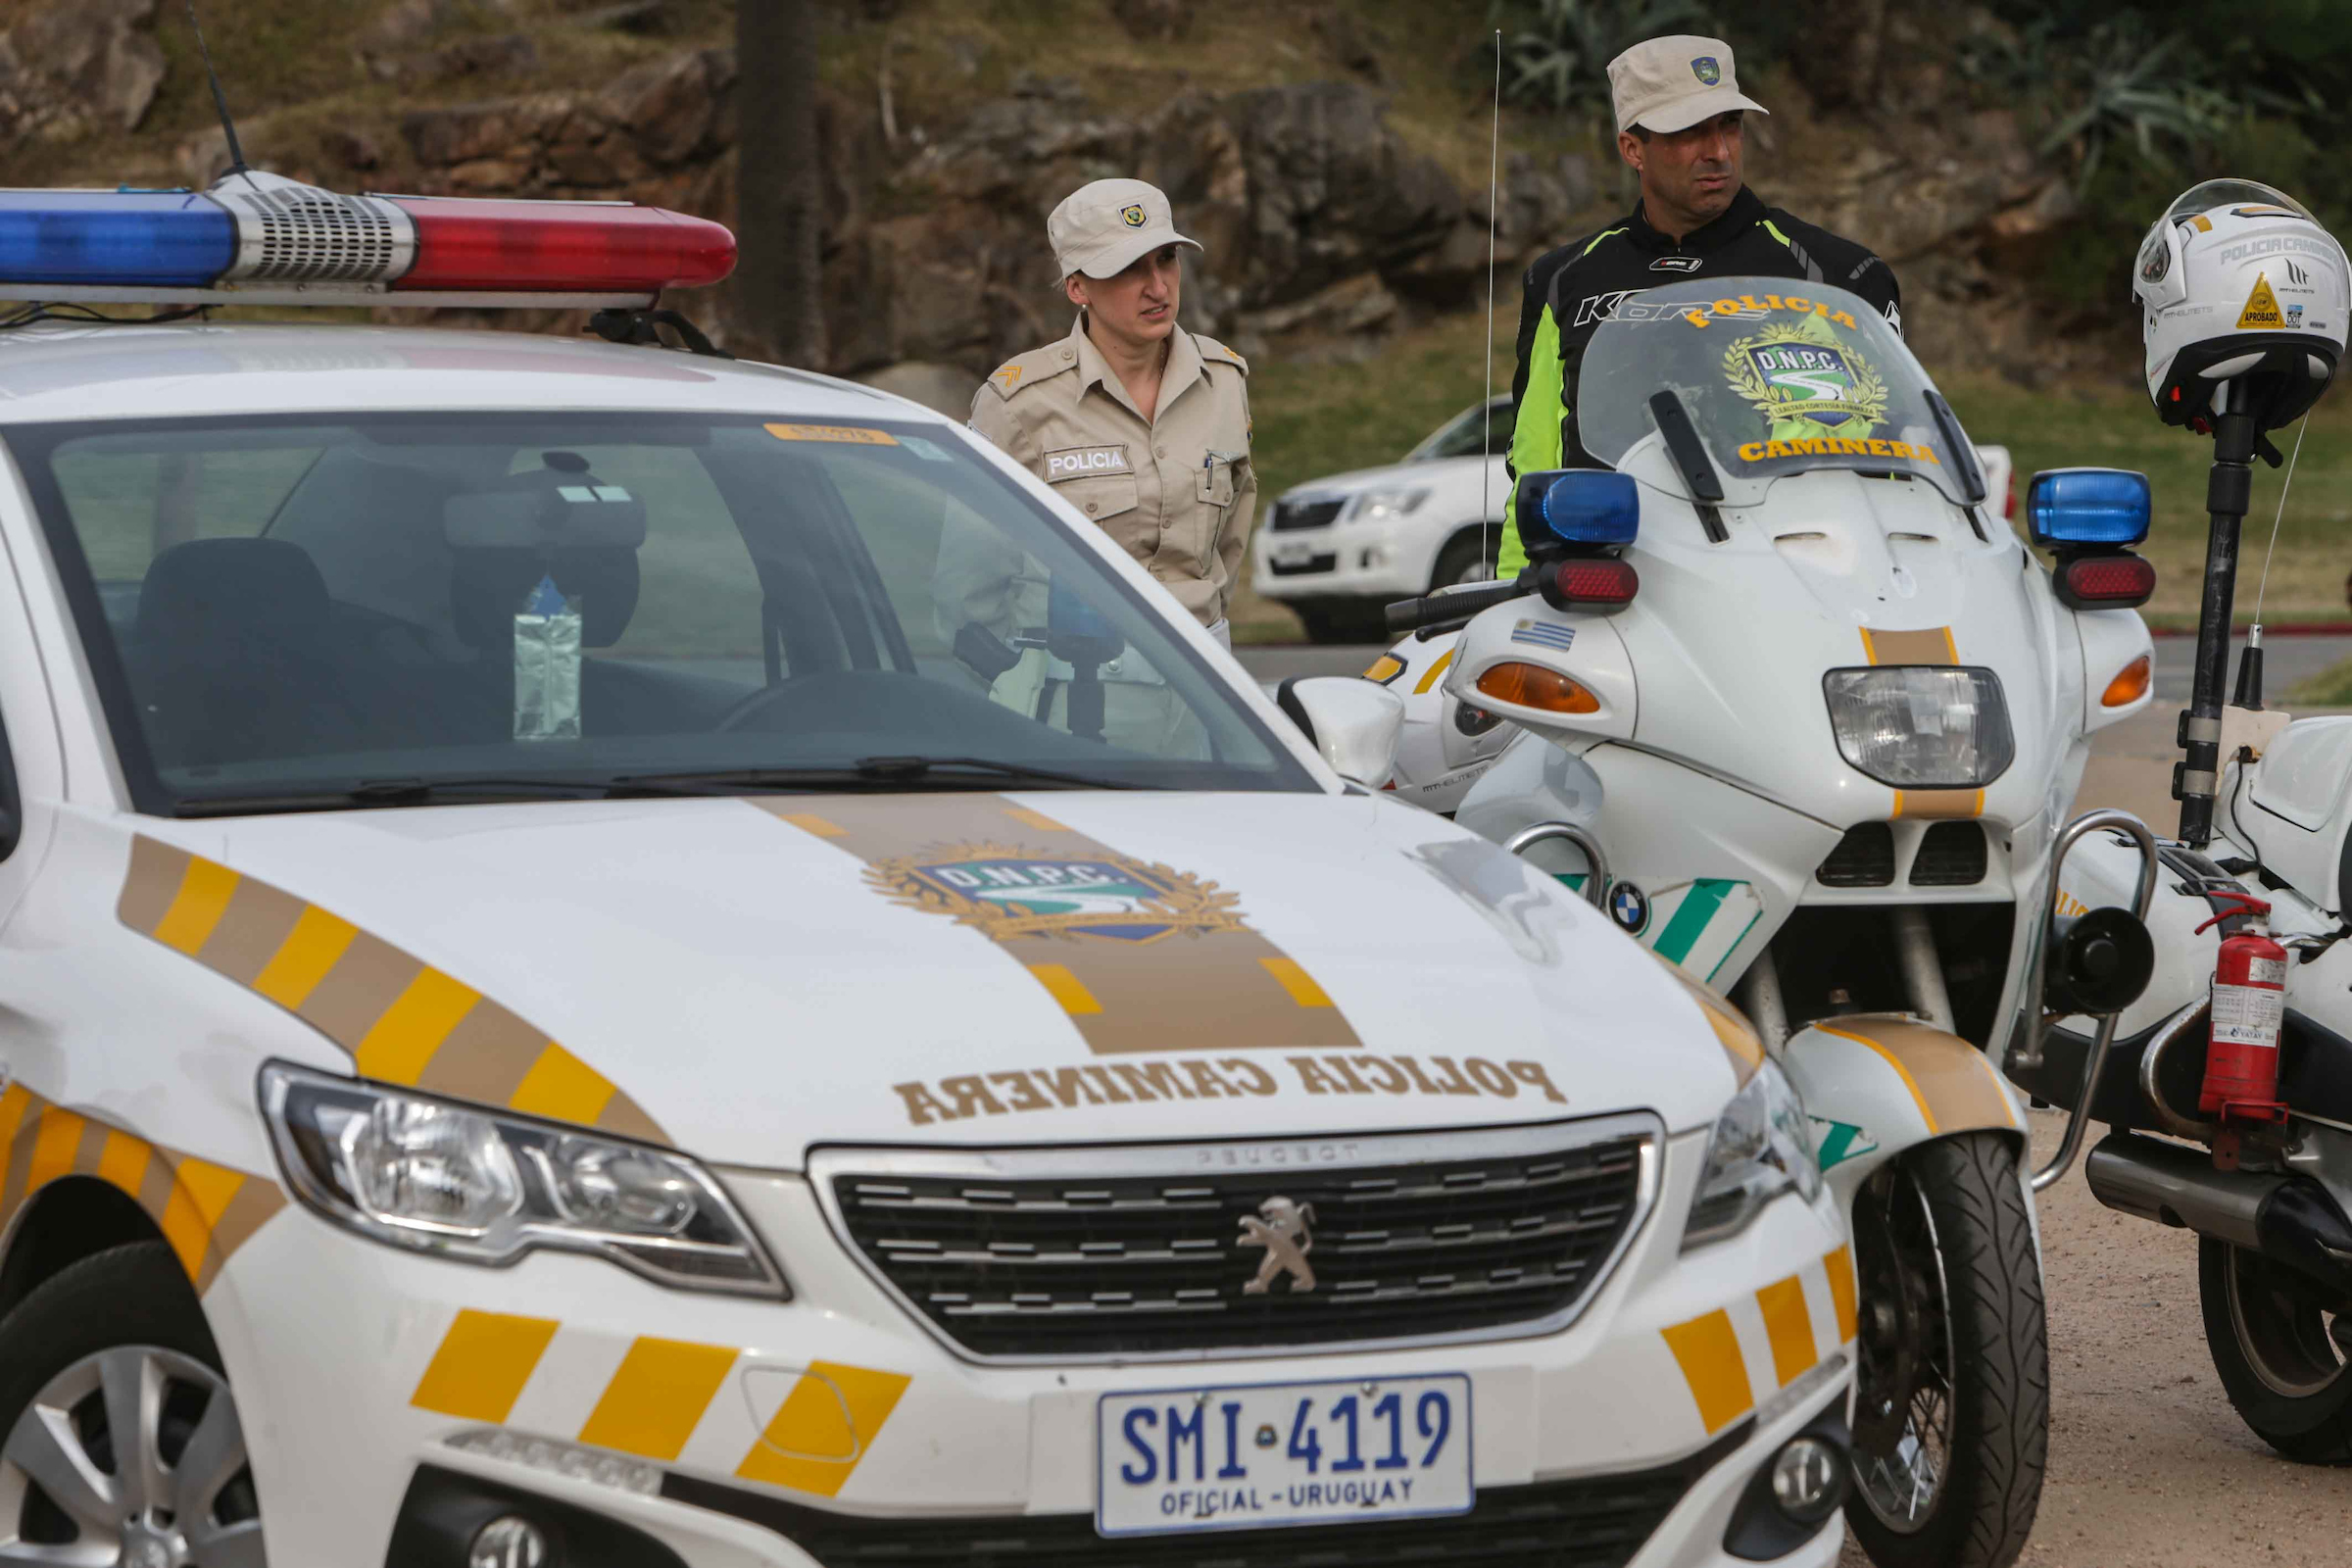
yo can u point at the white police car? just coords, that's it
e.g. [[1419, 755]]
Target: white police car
[[587, 980]]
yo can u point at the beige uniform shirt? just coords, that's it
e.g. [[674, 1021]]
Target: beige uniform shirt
[[1176, 490]]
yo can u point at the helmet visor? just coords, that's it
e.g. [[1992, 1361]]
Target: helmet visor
[[2232, 193]]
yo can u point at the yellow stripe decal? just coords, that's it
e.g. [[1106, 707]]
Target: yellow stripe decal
[[653, 1403], [1036, 820], [1839, 1267], [53, 1148], [1298, 982], [484, 1360], [122, 1164], [402, 1044], [809, 822], [562, 1088], [204, 895], [1429, 676], [823, 1428], [1708, 1352], [1067, 989], [1790, 1327], [302, 960], [1917, 1098], [200, 1194]]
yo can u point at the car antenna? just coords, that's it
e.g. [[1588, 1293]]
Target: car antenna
[[1485, 408], [237, 153]]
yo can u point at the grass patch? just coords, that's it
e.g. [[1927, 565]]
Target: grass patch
[[2329, 688]]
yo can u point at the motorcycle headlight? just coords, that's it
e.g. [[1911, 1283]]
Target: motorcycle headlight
[[1761, 1148], [1918, 728], [478, 1186], [1378, 506]]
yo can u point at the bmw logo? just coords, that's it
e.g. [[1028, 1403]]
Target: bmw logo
[[1629, 906]]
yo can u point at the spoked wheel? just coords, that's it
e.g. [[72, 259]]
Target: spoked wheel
[[1951, 1407], [119, 1443], [2283, 1350]]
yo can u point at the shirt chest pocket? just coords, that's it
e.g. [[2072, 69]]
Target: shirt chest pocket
[[1097, 480], [1218, 477]]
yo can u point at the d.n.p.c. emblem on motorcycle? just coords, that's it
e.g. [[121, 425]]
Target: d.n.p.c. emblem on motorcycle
[[1805, 382], [1007, 892], [1280, 1226]]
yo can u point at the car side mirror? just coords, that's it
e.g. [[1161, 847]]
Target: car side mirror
[[1355, 723]]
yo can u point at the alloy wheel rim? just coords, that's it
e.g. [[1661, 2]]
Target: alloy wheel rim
[[1905, 1401], [178, 1494], [2284, 1335]]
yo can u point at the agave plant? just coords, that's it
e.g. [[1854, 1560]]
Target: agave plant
[[1557, 57]]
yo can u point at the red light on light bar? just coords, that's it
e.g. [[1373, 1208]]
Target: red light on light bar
[[561, 247], [2106, 582], [1604, 582]]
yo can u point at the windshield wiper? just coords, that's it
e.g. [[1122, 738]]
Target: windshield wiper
[[936, 771], [372, 793]]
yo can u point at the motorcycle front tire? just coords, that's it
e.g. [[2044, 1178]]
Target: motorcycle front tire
[[2269, 1334], [1950, 1259]]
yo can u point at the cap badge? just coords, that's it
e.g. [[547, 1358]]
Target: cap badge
[[1133, 213], [1706, 70]]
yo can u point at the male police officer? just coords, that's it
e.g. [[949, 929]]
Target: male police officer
[[1679, 109]]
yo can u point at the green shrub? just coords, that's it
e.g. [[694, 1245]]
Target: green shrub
[[1556, 53]]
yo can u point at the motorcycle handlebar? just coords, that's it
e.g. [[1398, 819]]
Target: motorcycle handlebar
[[1441, 611]]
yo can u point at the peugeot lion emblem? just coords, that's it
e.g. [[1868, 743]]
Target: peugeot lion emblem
[[1280, 1227]]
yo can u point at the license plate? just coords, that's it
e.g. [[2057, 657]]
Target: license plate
[[1294, 552], [1282, 1454]]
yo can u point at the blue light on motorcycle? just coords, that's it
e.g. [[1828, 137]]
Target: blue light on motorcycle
[[1580, 505], [2087, 507]]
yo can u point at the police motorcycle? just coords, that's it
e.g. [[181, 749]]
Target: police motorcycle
[[1783, 696], [2228, 1094]]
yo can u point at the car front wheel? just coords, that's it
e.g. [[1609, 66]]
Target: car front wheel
[[119, 1441]]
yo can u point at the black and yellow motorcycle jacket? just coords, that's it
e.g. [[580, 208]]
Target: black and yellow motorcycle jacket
[[1570, 291]]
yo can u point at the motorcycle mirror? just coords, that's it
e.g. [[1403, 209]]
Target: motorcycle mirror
[[1355, 723], [2099, 963]]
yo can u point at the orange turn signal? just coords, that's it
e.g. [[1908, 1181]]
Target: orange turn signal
[[2130, 685], [1385, 669], [1534, 686]]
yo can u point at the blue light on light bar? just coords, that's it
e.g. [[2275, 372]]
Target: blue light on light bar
[[1580, 505], [2087, 507], [124, 238]]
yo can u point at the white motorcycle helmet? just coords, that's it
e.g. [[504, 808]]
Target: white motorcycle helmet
[[2237, 279]]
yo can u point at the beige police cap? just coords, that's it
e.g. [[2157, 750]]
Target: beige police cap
[[1101, 228], [1670, 84]]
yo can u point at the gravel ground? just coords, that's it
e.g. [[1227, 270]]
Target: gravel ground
[[2148, 1463]]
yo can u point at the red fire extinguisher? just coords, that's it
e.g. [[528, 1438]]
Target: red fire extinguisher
[[2249, 1003]]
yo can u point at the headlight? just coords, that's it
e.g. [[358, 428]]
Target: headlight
[[468, 1184], [1922, 728], [1761, 1148], [1377, 506]]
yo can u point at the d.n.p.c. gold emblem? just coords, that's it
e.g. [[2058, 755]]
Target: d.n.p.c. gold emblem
[[1009, 892]]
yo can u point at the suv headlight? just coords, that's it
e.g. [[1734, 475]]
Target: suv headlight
[[471, 1184], [1761, 1148], [1919, 727], [1378, 506]]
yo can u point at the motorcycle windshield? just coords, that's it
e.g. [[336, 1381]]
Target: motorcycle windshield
[[1776, 382]]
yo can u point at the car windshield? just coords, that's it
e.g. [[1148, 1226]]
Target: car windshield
[[1469, 433], [1775, 383], [410, 607]]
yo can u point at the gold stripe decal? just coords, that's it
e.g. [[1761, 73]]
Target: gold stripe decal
[[402, 1020], [1715, 1368], [1951, 1082], [206, 1212], [1138, 957], [1708, 1352], [1935, 645], [484, 1360], [823, 1428], [657, 1398]]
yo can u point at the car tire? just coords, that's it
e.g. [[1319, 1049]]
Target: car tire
[[1467, 559], [87, 1345], [2289, 1377], [1965, 1242]]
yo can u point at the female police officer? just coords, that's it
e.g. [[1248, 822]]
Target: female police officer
[[1139, 423]]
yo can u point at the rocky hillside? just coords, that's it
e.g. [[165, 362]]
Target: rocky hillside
[[1330, 156]]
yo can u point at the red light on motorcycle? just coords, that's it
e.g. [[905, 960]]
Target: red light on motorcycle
[[1604, 584], [2009, 501], [1534, 686], [2130, 685], [2105, 582]]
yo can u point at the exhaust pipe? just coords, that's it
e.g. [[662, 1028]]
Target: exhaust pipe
[[2287, 1219]]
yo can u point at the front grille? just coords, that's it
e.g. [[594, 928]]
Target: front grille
[[1863, 859], [1299, 569], [1289, 515], [1598, 1522], [1090, 1253], [1951, 855]]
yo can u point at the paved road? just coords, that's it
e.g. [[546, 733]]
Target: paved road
[[2149, 1467]]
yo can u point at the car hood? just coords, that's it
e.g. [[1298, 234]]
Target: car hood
[[1434, 472], [761, 977]]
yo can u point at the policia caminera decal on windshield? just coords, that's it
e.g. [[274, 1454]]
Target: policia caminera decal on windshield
[[1805, 383], [1142, 956]]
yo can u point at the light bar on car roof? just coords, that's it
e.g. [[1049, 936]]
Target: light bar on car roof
[[262, 239]]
